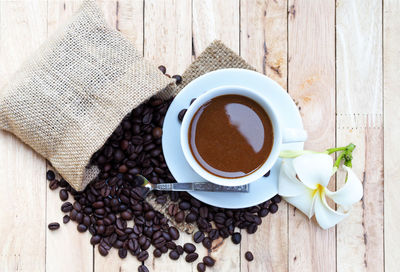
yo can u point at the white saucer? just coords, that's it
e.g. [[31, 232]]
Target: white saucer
[[260, 190]]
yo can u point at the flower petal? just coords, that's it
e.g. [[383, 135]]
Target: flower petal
[[304, 202], [314, 169], [350, 193], [288, 184], [325, 215]]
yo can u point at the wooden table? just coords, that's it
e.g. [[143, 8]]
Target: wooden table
[[338, 60]]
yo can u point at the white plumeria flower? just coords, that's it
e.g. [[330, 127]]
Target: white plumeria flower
[[303, 183]]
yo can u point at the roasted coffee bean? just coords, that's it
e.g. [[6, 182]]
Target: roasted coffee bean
[[143, 268], [157, 132], [179, 249], [249, 256], [180, 216], [178, 79], [77, 206], [66, 207], [174, 255], [122, 252], [54, 226], [198, 237], [263, 212], [276, 199], [201, 267], [236, 238], [126, 215], [181, 114], [102, 250], [157, 253], [95, 239], [203, 211], [207, 243], [170, 245], [66, 219], [82, 228], [174, 233], [252, 228], [273, 208], [191, 101], [184, 205], [50, 175], [191, 217], [162, 69], [191, 257], [53, 184], [267, 174], [213, 234], [208, 261], [143, 255], [63, 194], [189, 248]]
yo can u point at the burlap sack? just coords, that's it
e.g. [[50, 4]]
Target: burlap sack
[[73, 92]]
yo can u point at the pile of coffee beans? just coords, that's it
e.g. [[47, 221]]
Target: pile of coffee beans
[[115, 197]]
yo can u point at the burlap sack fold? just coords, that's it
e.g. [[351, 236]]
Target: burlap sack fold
[[215, 56], [68, 98]]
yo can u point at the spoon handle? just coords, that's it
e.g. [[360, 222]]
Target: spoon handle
[[200, 186]]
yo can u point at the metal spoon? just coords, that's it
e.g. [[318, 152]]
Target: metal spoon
[[192, 186]]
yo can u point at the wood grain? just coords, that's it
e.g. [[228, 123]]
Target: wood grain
[[263, 44], [359, 120], [22, 171], [218, 20], [391, 57], [311, 80], [167, 41], [168, 34]]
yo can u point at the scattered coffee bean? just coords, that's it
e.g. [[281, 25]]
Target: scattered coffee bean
[[157, 253], [208, 261], [50, 175], [53, 184], [143, 255], [267, 174], [66, 219], [178, 79], [207, 243], [54, 226], [189, 248], [181, 114], [162, 69], [143, 268], [82, 228], [63, 194], [179, 249], [102, 250], [174, 255], [122, 252], [191, 257], [201, 267], [198, 237], [276, 199], [66, 207], [249, 256], [191, 101], [174, 233], [236, 238], [273, 208]]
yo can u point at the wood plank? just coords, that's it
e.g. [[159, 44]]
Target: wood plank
[[263, 45], [359, 120], [79, 251], [22, 173], [311, 83], [391, 40], [215, 20], [167, 34], [127, 17], [218, 20], [167, 41]]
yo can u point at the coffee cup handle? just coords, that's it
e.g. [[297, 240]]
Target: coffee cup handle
[[293, 135]]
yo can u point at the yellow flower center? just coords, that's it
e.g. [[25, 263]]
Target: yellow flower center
[[320, 189]]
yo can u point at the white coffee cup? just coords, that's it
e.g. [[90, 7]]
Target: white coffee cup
[[281, 135]]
